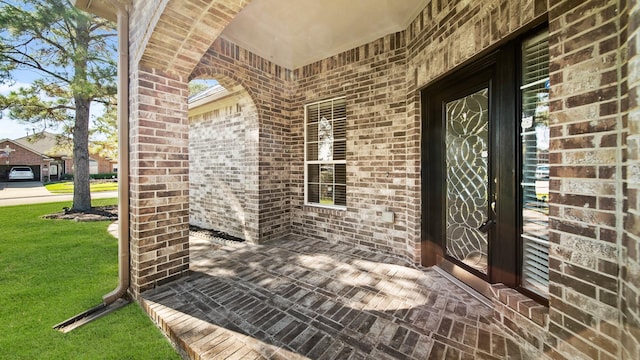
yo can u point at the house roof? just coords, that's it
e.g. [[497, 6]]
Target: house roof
[[294, 33], [213, 93], [19, 144], [44, 143]]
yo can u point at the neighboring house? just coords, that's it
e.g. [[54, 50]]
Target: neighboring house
[[46, 157], [495, 139], [14, 153]]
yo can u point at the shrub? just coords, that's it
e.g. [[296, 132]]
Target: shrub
[[104, 176]]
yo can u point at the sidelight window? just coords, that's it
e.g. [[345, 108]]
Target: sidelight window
[[534, 93]]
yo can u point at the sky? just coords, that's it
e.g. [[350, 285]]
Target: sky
[[12, 129]]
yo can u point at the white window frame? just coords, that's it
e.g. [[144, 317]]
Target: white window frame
[[319, 162]]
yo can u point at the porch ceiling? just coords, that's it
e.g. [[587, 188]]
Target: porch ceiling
[[294, 33], [290, 33]]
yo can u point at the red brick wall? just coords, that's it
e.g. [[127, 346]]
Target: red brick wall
[[20, 156], [104, 165]]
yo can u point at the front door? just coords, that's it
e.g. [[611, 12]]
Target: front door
[[485, 169], [469, 217], [468, 166]]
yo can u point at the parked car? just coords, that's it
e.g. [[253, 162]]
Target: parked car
[[21, 173]]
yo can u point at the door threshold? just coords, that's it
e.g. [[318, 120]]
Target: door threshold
[[476, 293]]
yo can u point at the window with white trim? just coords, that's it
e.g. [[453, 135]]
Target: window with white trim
[[326, 153]]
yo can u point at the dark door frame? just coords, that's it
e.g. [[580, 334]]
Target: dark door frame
[[497, 71]]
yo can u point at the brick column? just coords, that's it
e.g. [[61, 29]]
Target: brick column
[[159, 189], [167, 40]]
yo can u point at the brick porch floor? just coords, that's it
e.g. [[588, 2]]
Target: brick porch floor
[[310, 299]]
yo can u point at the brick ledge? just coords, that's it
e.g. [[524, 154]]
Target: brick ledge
[[521, 304]]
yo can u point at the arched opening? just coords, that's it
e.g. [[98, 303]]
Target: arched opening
[[223, 160]]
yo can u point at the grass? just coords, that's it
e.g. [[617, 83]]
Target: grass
[[51, 270], [67, 187]]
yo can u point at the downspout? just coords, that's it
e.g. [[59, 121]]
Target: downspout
[[123, 156], [110, 301]]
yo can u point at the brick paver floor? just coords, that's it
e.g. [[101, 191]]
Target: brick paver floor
[[311, 299]]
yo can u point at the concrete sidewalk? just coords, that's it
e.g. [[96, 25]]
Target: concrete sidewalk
[[34, 192]]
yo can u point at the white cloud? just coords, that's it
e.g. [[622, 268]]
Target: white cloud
[[11, 129], [6, 88]]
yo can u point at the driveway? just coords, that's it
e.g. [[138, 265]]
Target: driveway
[[34, 192]]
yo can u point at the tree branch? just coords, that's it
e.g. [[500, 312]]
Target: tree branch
[[33, 64]]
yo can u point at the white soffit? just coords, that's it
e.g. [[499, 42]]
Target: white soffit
[[294, 33]]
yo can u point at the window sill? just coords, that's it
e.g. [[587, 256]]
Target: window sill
[[327, 207], [521, 304]]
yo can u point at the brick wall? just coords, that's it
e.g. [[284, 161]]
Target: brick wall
[[104, 165], [446, 34], [593, 311], [143, 17], [630, 274], [587, 111], [373, 79], [267, 85], [159, 178], [187, 27], [223, 170], [20, 156], [167, 39], [377, 183]]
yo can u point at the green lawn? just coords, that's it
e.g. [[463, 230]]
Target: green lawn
[[51, 270], [67, 187]]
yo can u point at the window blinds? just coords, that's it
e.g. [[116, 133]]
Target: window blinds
[[535, 160]]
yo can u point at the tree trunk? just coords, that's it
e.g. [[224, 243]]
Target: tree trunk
[[82, 99], [81, 180]]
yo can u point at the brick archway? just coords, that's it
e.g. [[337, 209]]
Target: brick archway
[[165, 46], [224, 161]]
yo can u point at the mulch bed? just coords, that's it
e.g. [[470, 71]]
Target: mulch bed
[[100, 213], [213, 234], [110, 213]]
